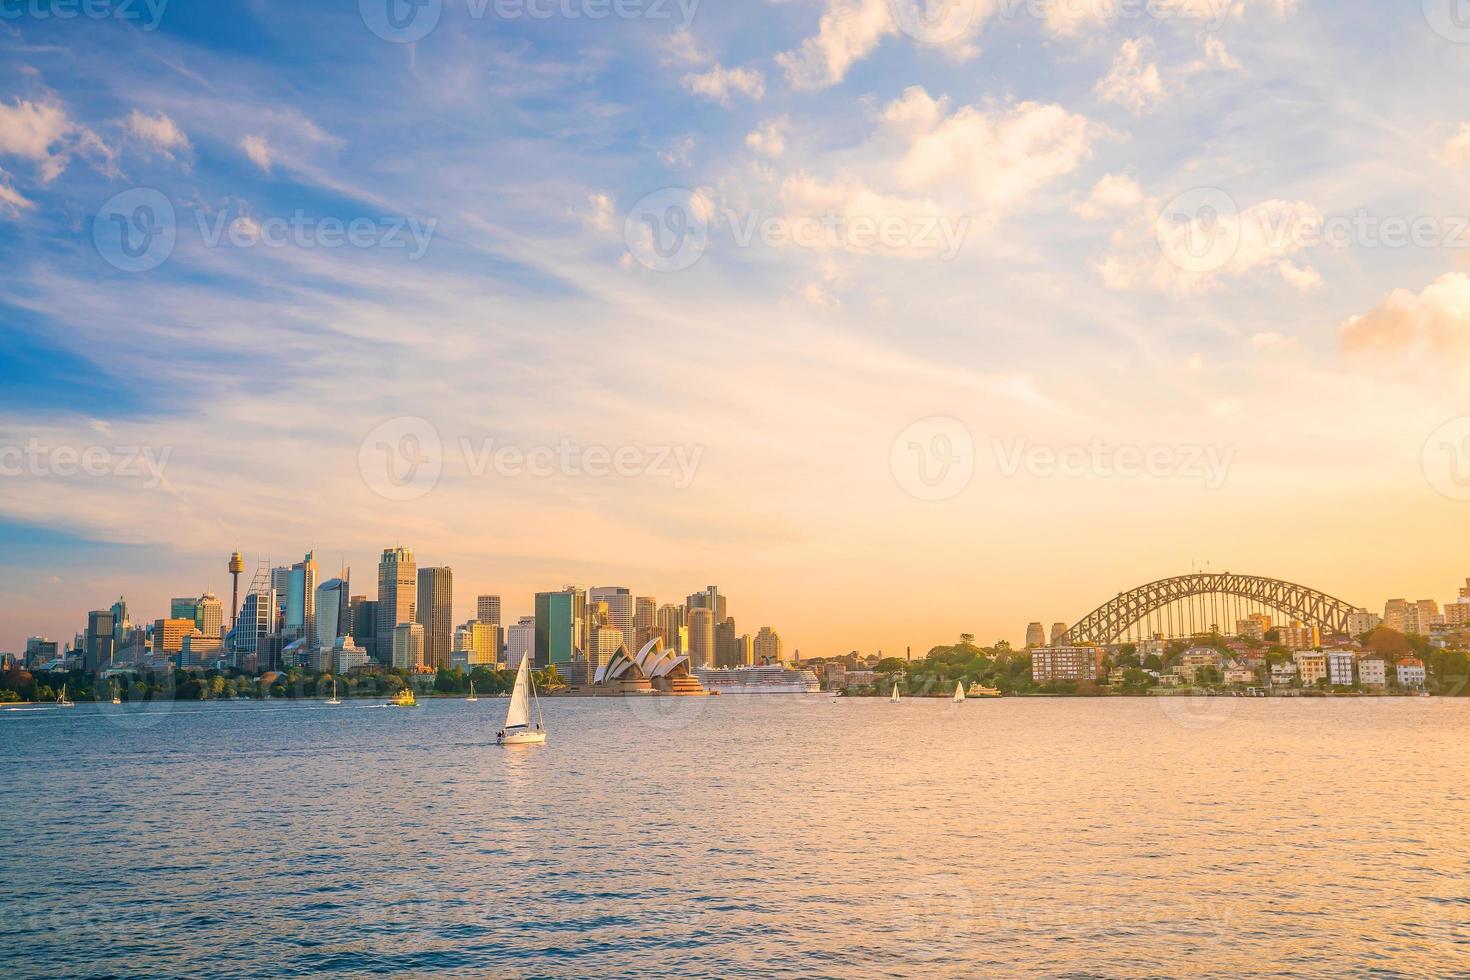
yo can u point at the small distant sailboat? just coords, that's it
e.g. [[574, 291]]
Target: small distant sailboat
[[517, 730], [894, 696], [472, 693], [334, 699], [959, 691], [61, 699], [116, 696]]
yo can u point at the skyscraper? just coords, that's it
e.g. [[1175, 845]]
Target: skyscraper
[[645, 621], [619, 610], [727, 644], [556, 629], [99, 644], [301, 598], [253, 628], [520, 642], [121, 624], [435, 613], [709, 599], [397, 595], [671, 619], [408, 646], [701, 638], [768, 647], [209, 616], [487, 610], [364, 623], [333, 610]]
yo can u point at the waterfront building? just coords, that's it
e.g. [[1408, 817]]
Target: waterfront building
[[1035, 635], [701, 637], [435, 612], [1240, 674], [347, 656], [767, 647], [1340, 667], [1411, 672], [557, 629], [408, 646], [1311, 667], [1373, 672], [1066, 663], [332, 607], [99, 642], [397, 597], [487, 610], [1282, 674], [619, 610], [520, 642]]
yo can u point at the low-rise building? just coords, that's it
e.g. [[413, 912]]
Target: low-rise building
[[1299, 637], [1283, 674], [1240, 674], [1311, 667], [1373, 672], [1411, 672], [1340, 665]]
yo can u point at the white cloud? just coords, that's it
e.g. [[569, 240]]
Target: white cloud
[[997, 158], [158, 132], [850, 30], [12, 202], [1433, 325], [677, 153], [43, 133], [770, 139], [599, 212], [721, 83], [1271, 341], [258, 149], [1133, 82], [1115, 192], [682, 48]]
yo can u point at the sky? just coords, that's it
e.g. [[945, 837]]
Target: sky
[[892, 319]]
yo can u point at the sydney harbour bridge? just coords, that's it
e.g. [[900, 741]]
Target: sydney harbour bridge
[[1206, 602]]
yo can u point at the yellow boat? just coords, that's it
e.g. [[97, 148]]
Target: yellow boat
[[978, 690], [404, 699]]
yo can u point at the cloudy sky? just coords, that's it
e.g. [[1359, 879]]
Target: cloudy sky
[[893, 320]]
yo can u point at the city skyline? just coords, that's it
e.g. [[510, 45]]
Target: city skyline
[[1172, 322]]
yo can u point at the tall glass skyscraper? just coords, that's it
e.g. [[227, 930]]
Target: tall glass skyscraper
[[397, 597], [435, 612]]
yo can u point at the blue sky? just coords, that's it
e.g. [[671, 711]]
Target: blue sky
[[501, 292]]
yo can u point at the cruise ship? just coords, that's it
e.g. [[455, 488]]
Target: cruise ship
[[774, 679]]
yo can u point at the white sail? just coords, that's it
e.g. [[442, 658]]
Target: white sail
[[894, 698], [959, 691], [519, 715]]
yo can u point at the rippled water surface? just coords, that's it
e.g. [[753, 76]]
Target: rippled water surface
[[740, 837]]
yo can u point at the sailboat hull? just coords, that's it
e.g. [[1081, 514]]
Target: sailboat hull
[[523, 738]]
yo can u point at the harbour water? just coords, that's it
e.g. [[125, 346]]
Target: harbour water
[[740, 837]]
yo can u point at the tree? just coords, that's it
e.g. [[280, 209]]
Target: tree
[[1389, 643], [891, 665]]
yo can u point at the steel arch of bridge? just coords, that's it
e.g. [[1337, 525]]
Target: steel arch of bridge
[[1108, 622]]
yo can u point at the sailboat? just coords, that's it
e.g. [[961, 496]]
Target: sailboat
[[472, 693], [116, 696], [959, 691], [894, 696], [62, 702], [517, 730], [334, 699]]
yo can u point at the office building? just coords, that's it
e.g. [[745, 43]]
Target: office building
[[42, 650], [301, 583], [645, 621], [619, 610], [397, 591], [671, 620], [99, 643], [121, 624], [408, 646], [556, 629], [767, 648], [709, 599], [347, 656], [727, 644], [520, 642], [253, 627], [435, 613], [209, 617], [487, 610], [168, 634], [332, 610], [701, 638]]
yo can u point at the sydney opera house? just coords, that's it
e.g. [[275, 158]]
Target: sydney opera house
[[653, 671]]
